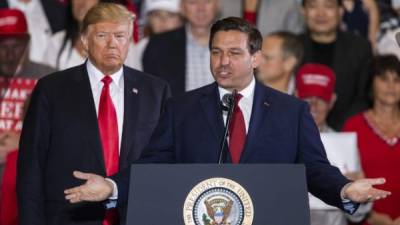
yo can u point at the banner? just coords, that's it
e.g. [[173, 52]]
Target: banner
[[13, 94]]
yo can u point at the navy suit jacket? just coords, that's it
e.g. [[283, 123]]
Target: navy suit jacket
[[281, 130], [61, 134]]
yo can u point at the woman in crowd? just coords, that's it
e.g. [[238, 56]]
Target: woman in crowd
[[362, 17], [65, 48], [158, 16], [378, 132]]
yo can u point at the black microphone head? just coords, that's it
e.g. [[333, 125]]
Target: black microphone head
[[398, 38], [227, 100]]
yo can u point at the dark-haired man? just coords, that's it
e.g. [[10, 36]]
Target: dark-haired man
[[347, 54], [267, 127]]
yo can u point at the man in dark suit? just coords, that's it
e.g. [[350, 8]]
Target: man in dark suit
[[96, 117], [267, 127], [347, 54], [181, 56]]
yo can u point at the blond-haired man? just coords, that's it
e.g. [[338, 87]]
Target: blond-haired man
[[95, 117]]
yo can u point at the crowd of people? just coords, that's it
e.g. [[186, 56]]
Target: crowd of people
[[339, 56]]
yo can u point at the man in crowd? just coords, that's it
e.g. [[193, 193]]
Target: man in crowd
[[44, 18], [267, 127], [268, 15], [348, 55], [281, 53], [14, 64], [14, 51], [159, 16], [96, 117], [181, 56], [315, 84]]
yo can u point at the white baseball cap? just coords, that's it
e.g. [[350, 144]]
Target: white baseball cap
[[168, 5]]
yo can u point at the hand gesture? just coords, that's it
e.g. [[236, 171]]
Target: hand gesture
[[95, 189], [363, 191]]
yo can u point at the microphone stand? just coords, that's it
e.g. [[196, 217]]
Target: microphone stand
[[231, 108]]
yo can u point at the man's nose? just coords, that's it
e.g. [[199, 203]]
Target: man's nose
[[112, 41], [225, 59]]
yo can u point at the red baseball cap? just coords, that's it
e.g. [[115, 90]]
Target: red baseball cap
[[13, 23], [315, 80]]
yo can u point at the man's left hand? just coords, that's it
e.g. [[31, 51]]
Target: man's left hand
[[363, 191]]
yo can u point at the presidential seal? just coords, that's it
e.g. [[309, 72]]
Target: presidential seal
[[218, 201]]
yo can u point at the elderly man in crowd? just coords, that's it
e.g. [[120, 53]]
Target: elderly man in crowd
[[189, 68], [281, 53]]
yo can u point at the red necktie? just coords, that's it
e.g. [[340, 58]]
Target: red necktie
[[237, 132], [108, 127]]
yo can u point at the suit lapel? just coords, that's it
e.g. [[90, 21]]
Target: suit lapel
[[131, 110], [87, 112], [211, 106], [261, 105]]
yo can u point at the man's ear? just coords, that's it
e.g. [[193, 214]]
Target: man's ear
[[256, 59], [333, 100], [84, 41], [290, 63]]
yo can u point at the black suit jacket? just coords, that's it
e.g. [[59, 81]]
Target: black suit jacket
[[281, 130], [165, 57], [352, 66], [60, 135]]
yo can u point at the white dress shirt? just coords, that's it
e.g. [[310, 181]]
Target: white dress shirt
[[245, 103], [116, 92]]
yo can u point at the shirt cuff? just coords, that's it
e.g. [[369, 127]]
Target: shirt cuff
[[342, 192], [114, 195], [360, 213], [349, 206]]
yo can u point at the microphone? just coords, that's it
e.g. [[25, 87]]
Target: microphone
[[398, 38], [228, 104], [227, 100]]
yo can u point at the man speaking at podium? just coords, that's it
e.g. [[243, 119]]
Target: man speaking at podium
[[266, 127]]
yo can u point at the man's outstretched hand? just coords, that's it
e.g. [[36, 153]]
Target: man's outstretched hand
[[363, 190], [95, 189]]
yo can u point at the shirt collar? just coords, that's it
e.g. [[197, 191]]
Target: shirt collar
[[16, 3], [247, 92], [96, 75], [291, 85]]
